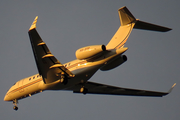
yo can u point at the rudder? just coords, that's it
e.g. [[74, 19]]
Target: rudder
[[128, 22]]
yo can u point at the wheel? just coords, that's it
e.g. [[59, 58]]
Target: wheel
[[64, 80], [15, 108], [83, 90]]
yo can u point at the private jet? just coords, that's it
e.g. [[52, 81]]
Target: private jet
[[74, 75]]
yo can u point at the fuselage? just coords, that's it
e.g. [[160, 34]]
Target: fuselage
[[82, 69]]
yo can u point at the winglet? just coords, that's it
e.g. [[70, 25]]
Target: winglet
[[33, 26], [172, 88]]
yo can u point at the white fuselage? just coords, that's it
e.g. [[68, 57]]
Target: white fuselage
[[82, 69]]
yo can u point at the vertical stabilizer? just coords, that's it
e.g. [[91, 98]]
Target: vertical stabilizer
[[128, 22]]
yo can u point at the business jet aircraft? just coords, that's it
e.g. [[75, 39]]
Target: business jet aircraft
[[74, 75]]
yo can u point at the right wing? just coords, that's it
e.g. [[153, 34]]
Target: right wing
[[97, 88], [48, 66]]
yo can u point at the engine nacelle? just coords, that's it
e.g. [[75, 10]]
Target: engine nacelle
[[89, 51], [114, 63]]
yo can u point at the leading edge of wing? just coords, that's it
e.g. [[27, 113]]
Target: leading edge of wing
[[97, 88]]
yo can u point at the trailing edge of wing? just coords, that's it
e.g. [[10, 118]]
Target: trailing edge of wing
[[96, 88]]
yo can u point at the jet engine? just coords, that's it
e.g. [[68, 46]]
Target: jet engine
[[114, 63], [90, 51]]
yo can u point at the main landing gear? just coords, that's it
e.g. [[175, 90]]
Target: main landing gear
[[63, 78], [15, 102], [83, 90]]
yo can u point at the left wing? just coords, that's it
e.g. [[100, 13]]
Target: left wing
[[97, 88], [48, 66]]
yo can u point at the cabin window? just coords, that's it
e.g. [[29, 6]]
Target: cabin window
[[29, 78], [38, 75], [33, 77]]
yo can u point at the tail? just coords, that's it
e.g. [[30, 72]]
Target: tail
[[128, 22]]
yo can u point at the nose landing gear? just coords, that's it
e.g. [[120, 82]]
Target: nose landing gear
[[15, 108], [15, 102]]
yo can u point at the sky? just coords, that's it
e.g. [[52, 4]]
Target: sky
[[67, 25]]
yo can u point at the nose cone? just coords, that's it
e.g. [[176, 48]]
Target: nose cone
[[7, 98]]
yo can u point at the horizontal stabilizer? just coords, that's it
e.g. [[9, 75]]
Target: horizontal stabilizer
[[148, 26]]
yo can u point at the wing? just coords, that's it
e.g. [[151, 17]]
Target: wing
[[48, 66], [96, 88]]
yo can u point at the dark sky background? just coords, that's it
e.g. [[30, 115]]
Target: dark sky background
[[67, 25]]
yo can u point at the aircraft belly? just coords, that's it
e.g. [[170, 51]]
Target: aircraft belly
[[86, 73], [81, 76]]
